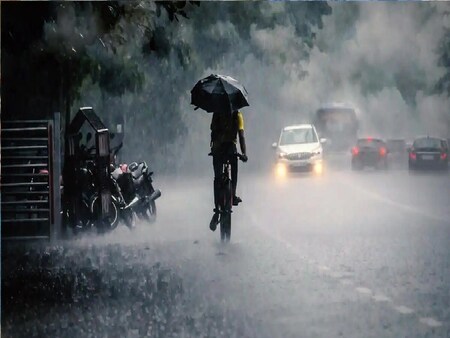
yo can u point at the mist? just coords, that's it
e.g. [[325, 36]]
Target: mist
[[347, 251], [386, 64], [380, 57]]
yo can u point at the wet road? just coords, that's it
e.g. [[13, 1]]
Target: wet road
[[348, 254]]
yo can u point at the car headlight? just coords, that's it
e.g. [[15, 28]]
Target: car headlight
[[281, 170], [282, 155], [318, 168]]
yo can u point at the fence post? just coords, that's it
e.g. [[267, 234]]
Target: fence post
[[56, 230]]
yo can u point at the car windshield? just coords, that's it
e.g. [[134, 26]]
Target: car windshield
[[298, 136], [427, 143], [368, 142]]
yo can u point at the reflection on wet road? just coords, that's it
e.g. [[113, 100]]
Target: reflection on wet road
[[343, 255], [351, 254]]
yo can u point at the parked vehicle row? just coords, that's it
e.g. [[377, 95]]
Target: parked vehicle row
[[98, 192], [132, 195]]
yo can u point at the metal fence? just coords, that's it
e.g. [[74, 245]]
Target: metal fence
[[30, 179]]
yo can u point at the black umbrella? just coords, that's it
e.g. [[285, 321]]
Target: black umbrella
[[219, 93]]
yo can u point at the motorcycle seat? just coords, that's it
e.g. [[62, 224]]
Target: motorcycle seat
[[137, 171], [116, 173]]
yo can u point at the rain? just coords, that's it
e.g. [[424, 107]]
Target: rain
[[347, 249]]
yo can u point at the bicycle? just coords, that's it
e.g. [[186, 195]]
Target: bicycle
[[226, 198]]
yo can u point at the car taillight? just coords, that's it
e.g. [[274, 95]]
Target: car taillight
[[443, 156], [412, 156], [355, 151], [383, 151]]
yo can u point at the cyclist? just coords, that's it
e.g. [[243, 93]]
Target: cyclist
[[225, 128]]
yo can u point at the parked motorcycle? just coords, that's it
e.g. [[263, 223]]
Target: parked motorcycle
[[90, 205], [125, 195], [147, 194]]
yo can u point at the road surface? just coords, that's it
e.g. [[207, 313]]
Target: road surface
[[348, 254]]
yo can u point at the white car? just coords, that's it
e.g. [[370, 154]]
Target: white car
[[299, 149]]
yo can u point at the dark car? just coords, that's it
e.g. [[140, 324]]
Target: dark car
[[397, 153], [369, 152], [428, 153]]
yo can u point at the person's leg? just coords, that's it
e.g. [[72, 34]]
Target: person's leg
[[234, 178], [217, 165], [234, 173]]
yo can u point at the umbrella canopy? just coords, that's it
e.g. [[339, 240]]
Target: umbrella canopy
[[219, 93]]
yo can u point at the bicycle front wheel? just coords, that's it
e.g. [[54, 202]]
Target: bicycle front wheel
[[225, 227], [225, 217]]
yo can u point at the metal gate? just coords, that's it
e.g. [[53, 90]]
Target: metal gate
[[30, 179]]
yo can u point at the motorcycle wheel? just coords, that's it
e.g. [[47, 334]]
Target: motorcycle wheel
[[129, 219], [148, 212], [111, 222]]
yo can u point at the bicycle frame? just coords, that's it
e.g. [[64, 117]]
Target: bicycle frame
[[226, 196]]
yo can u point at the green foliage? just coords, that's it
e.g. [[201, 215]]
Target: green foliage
[[57, 39], [443, 85], [141, 56]]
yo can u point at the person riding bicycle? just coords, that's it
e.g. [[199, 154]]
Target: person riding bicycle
[[225, 127]]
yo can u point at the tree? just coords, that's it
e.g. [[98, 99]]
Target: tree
[[443, 85], [48, 48], [141, 57]]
